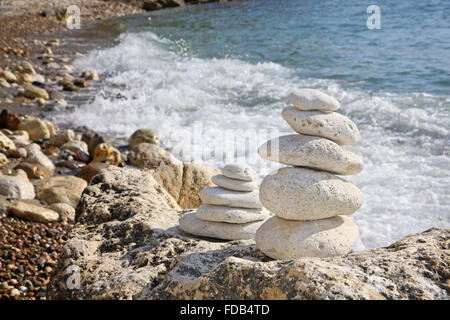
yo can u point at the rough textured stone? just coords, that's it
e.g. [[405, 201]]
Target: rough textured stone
[[312, 99], [331, 125], [285, 239], [233, 184], [210, 212], [161, 164], [220, 230], [9, 120], [224, 197], [127, 246], [196, 176], [33, 212], [16, 187], [313, 152], [296, 193]]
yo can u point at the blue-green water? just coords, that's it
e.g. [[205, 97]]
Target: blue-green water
[[226, 67]]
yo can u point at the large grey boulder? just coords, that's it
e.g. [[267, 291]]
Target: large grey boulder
[[126, 245]]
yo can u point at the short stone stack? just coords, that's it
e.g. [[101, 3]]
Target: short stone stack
[[231, 211], [310, 202]]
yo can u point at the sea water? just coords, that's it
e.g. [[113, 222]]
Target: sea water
[[231, 66]]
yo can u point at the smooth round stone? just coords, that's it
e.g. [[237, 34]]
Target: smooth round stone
[[233, 184], [239, 172], [296, 193], [210, 212], [312, 99], [224, 197], [284, 239], [331, 125], [220, 230], [309, 151]]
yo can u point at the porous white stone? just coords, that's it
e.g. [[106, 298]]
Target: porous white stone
[[310, 151], [210, 212], [312, 99], [239, 171], [330, 125], [234, 184], [219, 230], [224, 197], [284, 239], [296, 193]]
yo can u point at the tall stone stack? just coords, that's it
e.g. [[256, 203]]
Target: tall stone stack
[[231, 211], [309, 201]]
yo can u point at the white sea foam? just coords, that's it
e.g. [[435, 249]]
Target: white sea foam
[[403, 138]]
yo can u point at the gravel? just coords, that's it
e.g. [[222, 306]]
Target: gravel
[[28, 254]]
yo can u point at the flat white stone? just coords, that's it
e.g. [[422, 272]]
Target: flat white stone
[[331, 125], [210, 212], [296, 193], [220, 230], [223, 197], [284, 239], [309, 151], [233, 184], [312, 99], [239, 171]]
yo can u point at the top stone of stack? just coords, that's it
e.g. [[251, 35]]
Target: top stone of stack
[[312, 99]]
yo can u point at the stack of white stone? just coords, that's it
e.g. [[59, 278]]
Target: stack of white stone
[[310, 202], [231, 211]]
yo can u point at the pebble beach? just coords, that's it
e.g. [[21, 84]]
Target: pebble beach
[[36, 77]]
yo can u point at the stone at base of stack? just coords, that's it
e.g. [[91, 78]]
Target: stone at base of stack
[[309, 201], [231, 211]]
